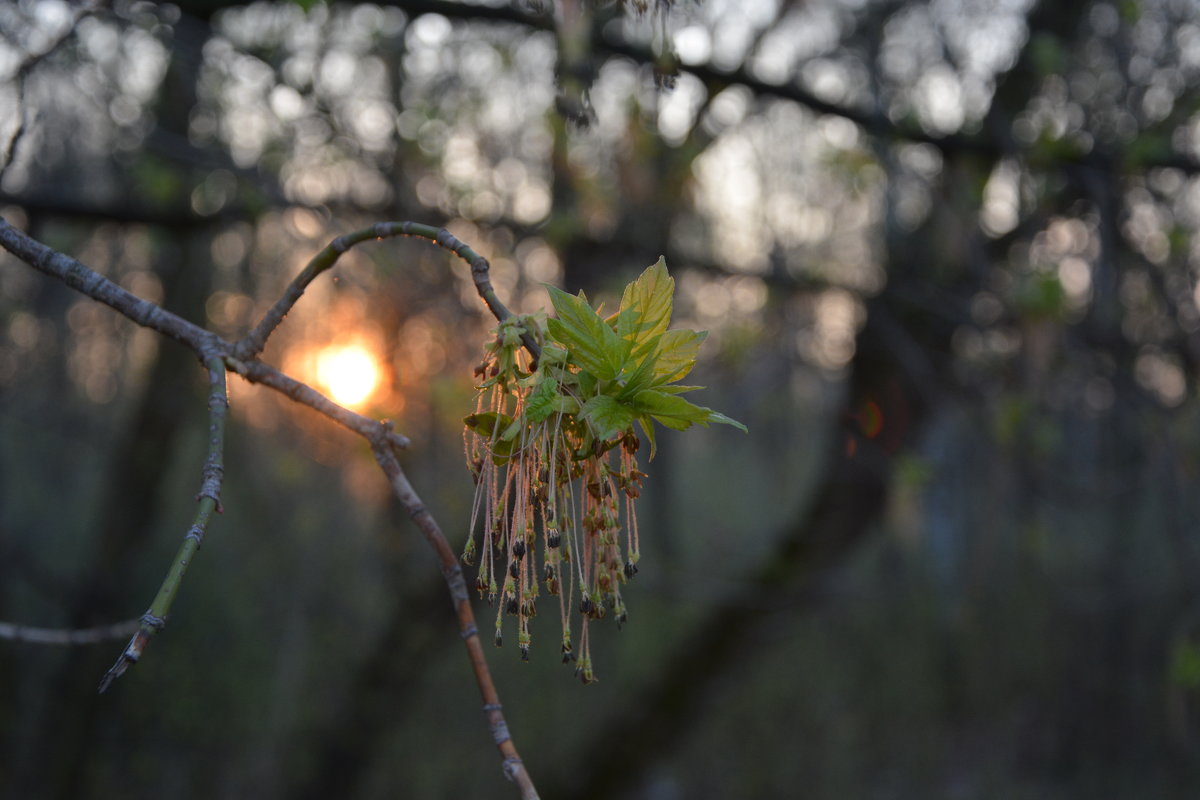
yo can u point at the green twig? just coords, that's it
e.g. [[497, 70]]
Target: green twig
[[210, 500]]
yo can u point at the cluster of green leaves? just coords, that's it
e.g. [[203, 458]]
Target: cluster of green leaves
[[538, 432], [610, 373]]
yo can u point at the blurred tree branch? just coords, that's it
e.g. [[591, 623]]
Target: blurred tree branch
[[72, 637], [993, 141], [27, 65]]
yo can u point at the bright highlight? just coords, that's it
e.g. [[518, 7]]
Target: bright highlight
[[349, 374]]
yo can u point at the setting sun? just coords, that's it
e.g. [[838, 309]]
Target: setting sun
[[349, 374]]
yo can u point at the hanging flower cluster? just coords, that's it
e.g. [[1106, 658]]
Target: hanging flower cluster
[[553, 451]]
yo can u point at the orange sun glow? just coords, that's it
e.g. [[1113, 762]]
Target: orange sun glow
[[348, 373]]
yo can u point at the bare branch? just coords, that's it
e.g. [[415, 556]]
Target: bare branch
[[147, 314], [514, 768], [69, 637], [217, 354], [254, 342], [155, 618]]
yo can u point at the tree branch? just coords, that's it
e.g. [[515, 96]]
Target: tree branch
[[148, 315], [66, 636], [252, 344], [217, 354], [155, 618], [514, 768], [25, 67], [989, 143]]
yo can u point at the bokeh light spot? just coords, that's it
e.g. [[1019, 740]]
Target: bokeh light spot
[[349, 374]]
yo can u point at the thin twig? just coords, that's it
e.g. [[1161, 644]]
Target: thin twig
[[257, 372], [209, 496], [68, 637], [79, 277], [254, 342], [514, 768]]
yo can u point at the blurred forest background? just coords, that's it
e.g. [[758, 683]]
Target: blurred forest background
[[948, 253]]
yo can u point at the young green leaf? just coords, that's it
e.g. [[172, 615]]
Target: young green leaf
[[677, 352], [541, 401], [646, 423], [646, 307], [675, 412], [591, 343], [638, 374], [607, 415]]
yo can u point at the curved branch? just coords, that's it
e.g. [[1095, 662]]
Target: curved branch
[[254, 342]]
